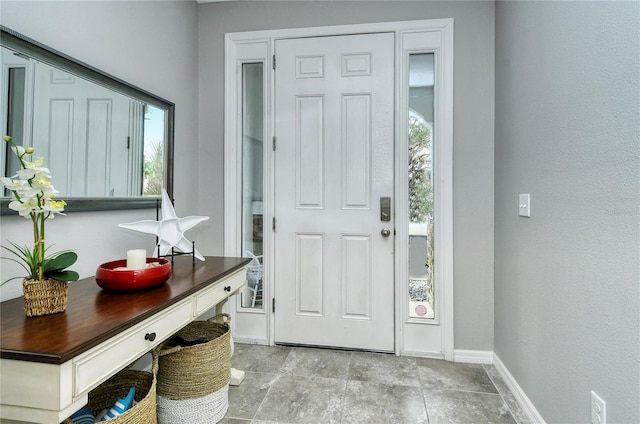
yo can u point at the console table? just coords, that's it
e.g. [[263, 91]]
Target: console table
[[48, 364]]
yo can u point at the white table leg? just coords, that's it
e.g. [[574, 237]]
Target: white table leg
[[237, 376]]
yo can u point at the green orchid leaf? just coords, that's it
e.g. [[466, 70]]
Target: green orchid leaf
[[21, 263], [22, 252], [60, 261], [26, 258], [10, 279], [64, 275]]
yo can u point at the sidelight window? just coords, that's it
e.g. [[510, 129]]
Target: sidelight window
[[421, 230], [252, 182]]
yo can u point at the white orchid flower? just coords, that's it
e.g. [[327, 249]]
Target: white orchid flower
[[18, 150], [15, 185], [32, 169], [30, 192], [25, 206], [33, 196], [54, 206], [43, 183]]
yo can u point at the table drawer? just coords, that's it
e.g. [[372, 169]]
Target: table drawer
[[219, 291], [106, 359]]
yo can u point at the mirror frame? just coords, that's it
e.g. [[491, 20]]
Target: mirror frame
[[22, 44]]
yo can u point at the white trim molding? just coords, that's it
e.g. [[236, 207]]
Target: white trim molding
[[521, 397], [247, 323], [433, 337], [473, 356]]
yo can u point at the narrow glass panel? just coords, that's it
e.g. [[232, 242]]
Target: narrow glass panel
[[153, 151], [15, 117], [421, 118], [252, 181]]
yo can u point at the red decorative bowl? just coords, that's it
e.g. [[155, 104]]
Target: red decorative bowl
[[115, 276]]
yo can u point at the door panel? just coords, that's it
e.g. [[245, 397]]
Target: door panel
[[309, 145], [356, 278], [309, 275], [356, 111], [334, 275]]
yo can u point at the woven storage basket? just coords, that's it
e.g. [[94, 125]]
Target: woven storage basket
[[204, 410], [44, 297], [144, 411], [193, 381]]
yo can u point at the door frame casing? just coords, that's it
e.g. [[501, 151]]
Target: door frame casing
[[423, 36]]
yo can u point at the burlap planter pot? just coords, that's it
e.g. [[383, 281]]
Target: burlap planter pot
[[44, 297]]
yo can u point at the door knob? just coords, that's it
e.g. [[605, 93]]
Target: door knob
[[385, 232]]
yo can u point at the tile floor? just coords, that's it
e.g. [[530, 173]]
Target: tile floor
[[305, 385]]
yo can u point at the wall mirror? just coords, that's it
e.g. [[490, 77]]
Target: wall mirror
[[108, 144]]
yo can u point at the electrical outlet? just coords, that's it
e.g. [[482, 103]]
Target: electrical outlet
[[598, 410]]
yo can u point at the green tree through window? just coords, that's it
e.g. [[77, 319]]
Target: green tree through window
[[420, 171], [153, 172]]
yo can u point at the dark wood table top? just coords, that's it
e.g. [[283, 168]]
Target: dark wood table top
[[94, 315]]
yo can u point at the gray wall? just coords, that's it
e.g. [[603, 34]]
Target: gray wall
[[566, 112], [150, 44], [567, 132], [473, 125]]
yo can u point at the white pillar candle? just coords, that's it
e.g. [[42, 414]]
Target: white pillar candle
[[136, 259]]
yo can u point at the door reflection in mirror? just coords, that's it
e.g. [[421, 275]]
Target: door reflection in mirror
[[96, 141]]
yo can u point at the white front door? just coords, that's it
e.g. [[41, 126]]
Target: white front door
[[334, 125]]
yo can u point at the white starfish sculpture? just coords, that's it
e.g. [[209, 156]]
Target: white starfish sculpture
[[170, 230]]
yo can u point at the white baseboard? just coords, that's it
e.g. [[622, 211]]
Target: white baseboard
[[417, 354], [244, 340], [473, 356], [521, 397]]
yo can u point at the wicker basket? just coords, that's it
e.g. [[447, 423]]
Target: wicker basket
[[44, 297], [193, 381], [204, 410], [144, 411]]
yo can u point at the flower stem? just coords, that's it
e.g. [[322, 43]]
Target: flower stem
[[38, 241], [41, 243], [36, 246]]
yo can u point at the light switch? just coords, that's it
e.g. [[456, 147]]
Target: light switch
[[524, 202]]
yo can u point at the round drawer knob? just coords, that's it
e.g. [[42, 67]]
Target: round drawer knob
[[227, 288], [150, 336]]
